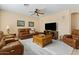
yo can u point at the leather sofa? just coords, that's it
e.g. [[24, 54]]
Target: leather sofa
[[73, 39], [24, 33], [10, 46]]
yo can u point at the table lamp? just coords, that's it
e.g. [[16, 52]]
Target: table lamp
[[8, 29]]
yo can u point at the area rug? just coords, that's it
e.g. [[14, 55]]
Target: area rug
[[55, 48]]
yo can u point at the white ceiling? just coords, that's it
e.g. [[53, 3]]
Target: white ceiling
[[47, 8]]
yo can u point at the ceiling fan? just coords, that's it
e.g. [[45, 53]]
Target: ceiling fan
[[37, 12]]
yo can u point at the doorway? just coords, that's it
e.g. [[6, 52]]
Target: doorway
[[74, 21]]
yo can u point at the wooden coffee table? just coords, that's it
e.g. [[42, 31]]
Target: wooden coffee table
[[42, 39]]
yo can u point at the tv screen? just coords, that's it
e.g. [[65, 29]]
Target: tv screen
[[50, 26]]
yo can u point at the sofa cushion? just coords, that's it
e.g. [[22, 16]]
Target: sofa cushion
[[32, 32]]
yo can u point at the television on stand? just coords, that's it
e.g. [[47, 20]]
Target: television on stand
[[51, 26]]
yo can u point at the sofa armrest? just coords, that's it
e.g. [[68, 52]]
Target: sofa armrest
[[7, 53], [68, 36], [4, 53], [9, 40]]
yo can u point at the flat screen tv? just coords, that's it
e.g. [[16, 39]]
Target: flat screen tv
[[50, 26]]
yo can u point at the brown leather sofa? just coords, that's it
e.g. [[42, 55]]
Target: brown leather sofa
[[73, 39], [10, 46], [24, 33]]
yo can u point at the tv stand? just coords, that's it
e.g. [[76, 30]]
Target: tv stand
[[54, 34]]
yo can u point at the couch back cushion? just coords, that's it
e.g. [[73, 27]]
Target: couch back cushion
[[75, 32], [24, 30]]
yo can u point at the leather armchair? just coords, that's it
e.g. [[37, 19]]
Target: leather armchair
[[73, 39], [10, 46], [13, 48]]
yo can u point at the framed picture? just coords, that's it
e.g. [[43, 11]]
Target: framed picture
[[31, 24], [20, 23]]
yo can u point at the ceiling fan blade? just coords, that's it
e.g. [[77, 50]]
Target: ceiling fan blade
[[41, 13], [36, 12], [26, 4]]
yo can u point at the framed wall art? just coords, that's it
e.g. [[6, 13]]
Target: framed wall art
[[31, 24], [20, 23]]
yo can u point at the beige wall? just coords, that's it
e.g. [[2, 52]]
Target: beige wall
[[9, 18], [0, 21], [62, 19]]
